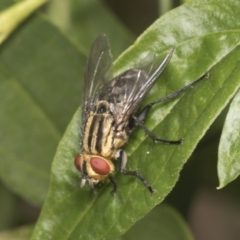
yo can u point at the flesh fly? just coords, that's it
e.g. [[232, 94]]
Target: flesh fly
[[110, 112]]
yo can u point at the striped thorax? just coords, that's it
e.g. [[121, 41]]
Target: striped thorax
[[100, 134]]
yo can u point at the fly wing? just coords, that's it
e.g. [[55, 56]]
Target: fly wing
[[98, 64], [126, 91]]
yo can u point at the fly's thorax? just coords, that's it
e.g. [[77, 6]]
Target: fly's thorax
[[121, 137], [93, 168], [100, 134]]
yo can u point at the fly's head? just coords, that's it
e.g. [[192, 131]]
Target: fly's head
[[93, 168]]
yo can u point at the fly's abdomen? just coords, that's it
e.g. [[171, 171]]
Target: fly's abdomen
[[99, 134]]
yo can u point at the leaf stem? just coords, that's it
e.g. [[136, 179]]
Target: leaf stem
[[12, 17]]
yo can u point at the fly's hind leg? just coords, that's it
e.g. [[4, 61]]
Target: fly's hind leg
[[152, 136], [146, 109], [123, 163], [138, 121]]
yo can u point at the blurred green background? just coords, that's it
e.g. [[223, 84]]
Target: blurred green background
[[211, 214]]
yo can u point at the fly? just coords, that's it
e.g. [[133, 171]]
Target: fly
[[110, 113]]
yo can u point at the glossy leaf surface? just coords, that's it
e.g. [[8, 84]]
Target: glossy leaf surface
[[206, 37]]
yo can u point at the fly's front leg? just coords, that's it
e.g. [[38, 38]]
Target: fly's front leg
[[123, 163], [113, 192]]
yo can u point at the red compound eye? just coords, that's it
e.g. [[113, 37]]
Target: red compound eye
[[100, 166], [77, 162]]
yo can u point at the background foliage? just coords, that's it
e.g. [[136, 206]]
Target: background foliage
[[41, 74]]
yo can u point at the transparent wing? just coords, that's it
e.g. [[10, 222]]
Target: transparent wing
[[98, 63], [126, 91]]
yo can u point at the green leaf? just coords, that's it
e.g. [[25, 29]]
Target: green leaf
[[16, 14], [206, 37], [163, 222], [40, 77], [229, 151], [84, 20]]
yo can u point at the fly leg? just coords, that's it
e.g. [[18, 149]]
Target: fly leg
[[139, 119], [113, 192], [152, 136], [123, 162], [146, 109]]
